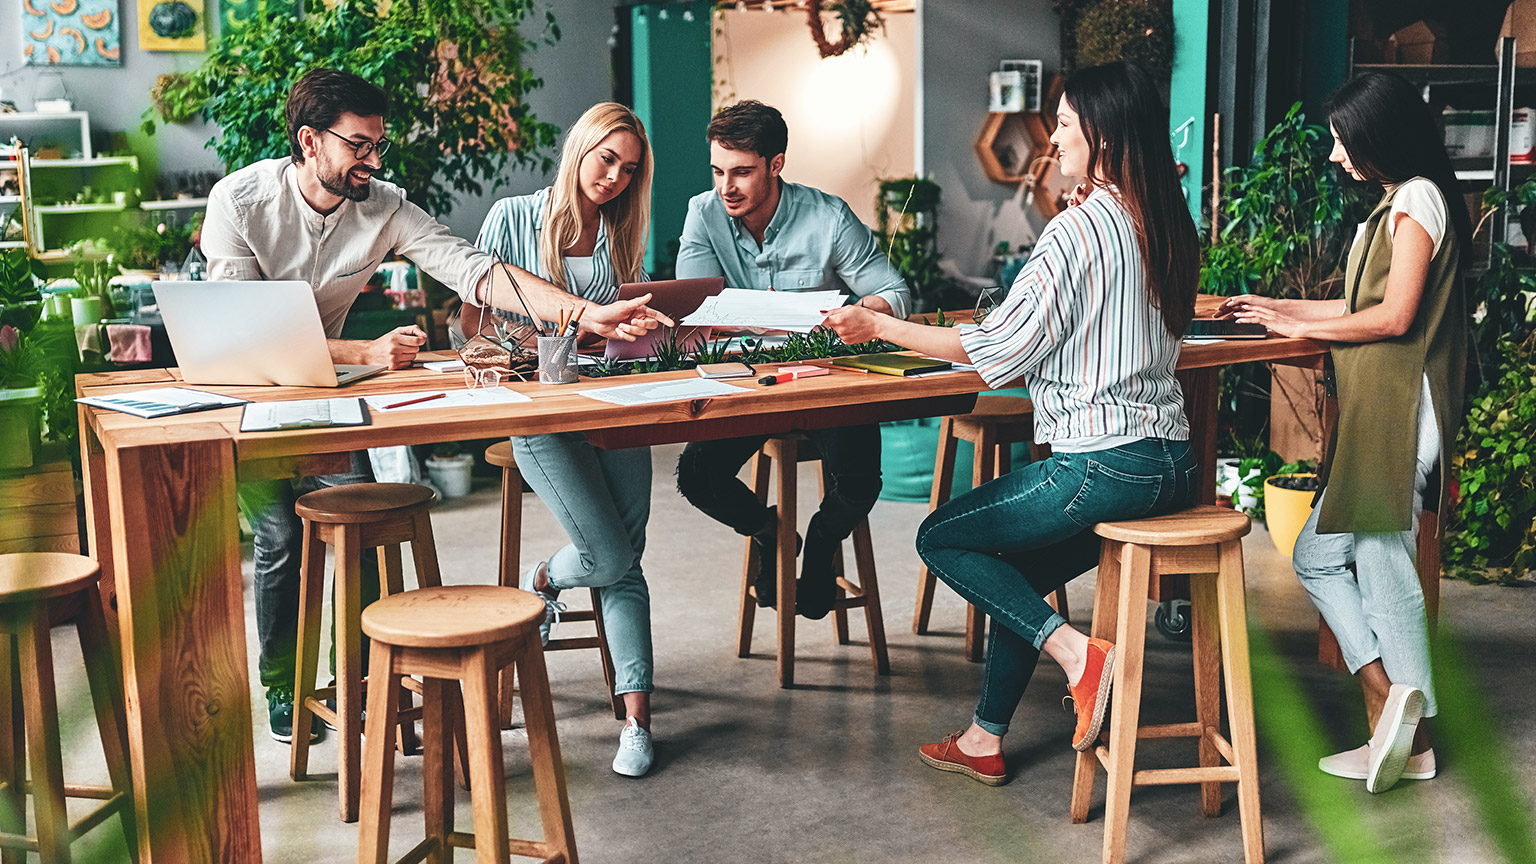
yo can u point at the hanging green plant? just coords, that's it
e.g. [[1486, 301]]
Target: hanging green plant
[[172, 19], [857, 21], [1137, 30]]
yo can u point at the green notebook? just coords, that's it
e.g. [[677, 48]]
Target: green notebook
[[893, 364]]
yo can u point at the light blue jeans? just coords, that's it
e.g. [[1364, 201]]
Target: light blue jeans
[[1376, 612], [603, 498]]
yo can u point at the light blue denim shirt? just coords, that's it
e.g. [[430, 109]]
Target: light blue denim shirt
[[813, 243]]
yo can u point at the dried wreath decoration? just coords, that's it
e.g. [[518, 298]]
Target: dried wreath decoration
[[857, 19]]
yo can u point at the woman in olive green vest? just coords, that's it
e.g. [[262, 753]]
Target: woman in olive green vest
[[1399, 354]]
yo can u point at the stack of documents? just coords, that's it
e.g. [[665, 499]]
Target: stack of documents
[[800, 311], [161, 401]]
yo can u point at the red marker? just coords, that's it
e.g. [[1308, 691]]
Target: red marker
[[415, 401]]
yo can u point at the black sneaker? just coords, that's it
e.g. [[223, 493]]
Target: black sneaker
[[767, 544], [817, 589], [280, 716]]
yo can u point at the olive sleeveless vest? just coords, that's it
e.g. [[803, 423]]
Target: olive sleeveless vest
[[1369, 469]]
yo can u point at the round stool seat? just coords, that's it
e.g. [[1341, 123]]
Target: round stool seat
[[26, 576], [999, 409], [452, 616], [500, 455], [1197, 526], [360, 503]]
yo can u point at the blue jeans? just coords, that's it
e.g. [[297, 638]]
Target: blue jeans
[[603, 498], [1008, 544], [279, 545]]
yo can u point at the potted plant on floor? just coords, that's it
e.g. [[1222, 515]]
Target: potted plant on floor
[[20, 400], [450, 469]]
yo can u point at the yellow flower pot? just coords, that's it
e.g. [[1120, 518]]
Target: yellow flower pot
[[1286, 511]]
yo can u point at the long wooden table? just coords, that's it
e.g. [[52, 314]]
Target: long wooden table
[[162, 522]]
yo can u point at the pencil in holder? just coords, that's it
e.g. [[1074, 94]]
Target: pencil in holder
[[557, 359]]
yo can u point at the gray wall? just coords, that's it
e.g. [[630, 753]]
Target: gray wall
[[958, 44], [576, 73]]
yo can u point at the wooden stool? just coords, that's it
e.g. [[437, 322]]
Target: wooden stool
[[1203, 541], [352, 518], [500, 454], [784, 449], [37, 591], [453, 636], [996, 424]]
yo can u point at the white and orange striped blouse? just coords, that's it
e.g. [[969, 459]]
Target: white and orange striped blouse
[[1079, 327]]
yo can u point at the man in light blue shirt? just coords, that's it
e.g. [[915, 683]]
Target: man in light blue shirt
[[761, 232]]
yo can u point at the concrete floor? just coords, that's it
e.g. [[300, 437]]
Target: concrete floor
[[828, 772]]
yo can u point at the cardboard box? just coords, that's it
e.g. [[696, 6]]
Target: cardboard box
[[1520, 22], [1419, 43]]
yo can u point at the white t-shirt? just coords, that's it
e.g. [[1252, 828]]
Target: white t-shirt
[[1420, 200], [581, 271]]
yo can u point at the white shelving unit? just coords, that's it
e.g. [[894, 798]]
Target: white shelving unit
[[70, 131], [175, 204]]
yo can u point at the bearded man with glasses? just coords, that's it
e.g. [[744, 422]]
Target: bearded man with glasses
[[319, 215]]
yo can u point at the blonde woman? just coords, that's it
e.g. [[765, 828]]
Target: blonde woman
[[586, 234]]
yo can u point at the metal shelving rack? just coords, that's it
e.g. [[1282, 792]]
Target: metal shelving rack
[[1502, 75]]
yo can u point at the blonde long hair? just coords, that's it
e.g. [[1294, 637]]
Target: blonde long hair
[[628, 215]]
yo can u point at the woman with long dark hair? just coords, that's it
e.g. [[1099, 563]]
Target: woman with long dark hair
[[1092, 325], [1399, 354]]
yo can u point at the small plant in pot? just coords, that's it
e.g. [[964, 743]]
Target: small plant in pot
[[21, 301], [1288, 496], [450, 469], [21, 399]]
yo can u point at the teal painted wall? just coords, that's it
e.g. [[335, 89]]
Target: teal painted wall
[[672, 77], [1187, 97], [1325, 45]]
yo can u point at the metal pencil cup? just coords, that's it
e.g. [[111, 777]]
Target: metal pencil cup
[[557, 359]]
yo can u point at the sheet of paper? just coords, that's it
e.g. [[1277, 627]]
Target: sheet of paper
[[478, 398], [800, 311], [161, 401], [664, 391], [443, 365]]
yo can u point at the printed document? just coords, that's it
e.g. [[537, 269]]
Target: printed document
[[800, 311], [664, 391]]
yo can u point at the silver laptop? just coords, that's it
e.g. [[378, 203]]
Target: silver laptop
[[250, 333]]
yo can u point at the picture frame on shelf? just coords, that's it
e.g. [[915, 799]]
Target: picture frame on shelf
[[1033, 73], [1005, 92]]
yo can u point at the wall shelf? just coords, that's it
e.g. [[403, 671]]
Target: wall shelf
[[94, 162], [50, 209], [175, 204]]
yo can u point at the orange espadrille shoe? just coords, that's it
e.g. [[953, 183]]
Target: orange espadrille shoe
[[1090, 695], [946, 756]]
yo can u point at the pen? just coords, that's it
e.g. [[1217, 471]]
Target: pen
[[415, 401], [784, 377]]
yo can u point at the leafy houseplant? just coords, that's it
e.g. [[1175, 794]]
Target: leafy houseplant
[[20, 297], [453, 70], [1139, 30], [35, 391], [147, 246], [907, 229], [1491, 532], [1283, 230]]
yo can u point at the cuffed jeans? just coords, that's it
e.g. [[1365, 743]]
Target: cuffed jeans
[[850, 455], [1376, 612], [1007, 544], [603, 498], [279, 547]]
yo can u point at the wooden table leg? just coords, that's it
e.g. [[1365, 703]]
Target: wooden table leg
[[98, 528], [175, 549]]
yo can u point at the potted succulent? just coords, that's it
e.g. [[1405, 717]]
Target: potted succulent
[[449, 469]]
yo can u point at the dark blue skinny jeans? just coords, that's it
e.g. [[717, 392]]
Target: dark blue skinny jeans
[[1008, 544]]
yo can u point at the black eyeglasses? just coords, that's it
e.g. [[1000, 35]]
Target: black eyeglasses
[[364, 149]]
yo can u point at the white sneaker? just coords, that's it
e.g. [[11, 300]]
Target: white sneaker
[[1393, 738], [552, 606], [1355, 764], [635, 754]]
